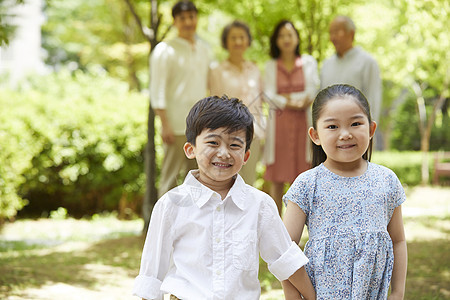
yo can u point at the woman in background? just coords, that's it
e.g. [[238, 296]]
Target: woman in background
[[291, 83], [239, 78]]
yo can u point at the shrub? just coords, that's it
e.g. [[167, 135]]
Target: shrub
[[405, 134], [406, 164], [71, 140]]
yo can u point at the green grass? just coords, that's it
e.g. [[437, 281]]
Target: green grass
[[98, 259]]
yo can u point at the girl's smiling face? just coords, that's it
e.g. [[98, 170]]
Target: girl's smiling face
[[220, 154], [344, 132]]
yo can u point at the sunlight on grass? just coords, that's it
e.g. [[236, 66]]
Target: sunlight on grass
[[96, 259], [27, 234]]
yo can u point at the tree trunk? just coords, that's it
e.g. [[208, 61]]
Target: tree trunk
[[425, 125], [151, 193], [424, 135]]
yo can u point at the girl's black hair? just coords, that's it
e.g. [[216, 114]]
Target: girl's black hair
[[216, 112], [274, 50], [332, 92]]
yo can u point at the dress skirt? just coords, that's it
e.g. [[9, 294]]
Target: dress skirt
[[290, 146]]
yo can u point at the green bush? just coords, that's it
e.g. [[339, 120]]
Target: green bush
[[406, 164], [405, 135], [73, 140]]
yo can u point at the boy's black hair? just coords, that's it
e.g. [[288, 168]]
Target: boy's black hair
[[322, 98], [182, 6], [216, 112]]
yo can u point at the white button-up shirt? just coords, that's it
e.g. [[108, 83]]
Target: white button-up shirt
[[179, 77], [199, 246]]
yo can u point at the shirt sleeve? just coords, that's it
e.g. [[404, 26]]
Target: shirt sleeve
[[396, 194], [373, 88], [298, 193], [156, 256], [283, 256], [159, 75]]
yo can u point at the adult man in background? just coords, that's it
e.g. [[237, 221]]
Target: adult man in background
[[352, 65], [179, 70]]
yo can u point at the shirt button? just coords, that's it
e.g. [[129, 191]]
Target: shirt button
[[218, 272], [217, 240], [218, 208]]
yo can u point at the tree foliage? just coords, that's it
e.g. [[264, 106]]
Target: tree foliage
[[73, 140], [7, 26], [97, 32], [408, 38]]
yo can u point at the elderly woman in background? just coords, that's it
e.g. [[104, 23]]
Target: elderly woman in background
[[239, 78]]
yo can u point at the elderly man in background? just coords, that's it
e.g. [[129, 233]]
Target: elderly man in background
[[352, 65]]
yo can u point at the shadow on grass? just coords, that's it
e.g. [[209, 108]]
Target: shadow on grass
[[428, 270], [437, 223], [428, 267], [34, 268]]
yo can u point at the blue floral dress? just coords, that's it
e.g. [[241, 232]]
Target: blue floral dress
[[349, 248]]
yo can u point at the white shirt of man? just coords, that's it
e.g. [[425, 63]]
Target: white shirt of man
[[357, 68], [201, 247], [179, 76]]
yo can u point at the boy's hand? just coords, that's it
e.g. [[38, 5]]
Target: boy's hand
[[290, 292], [395, 297]]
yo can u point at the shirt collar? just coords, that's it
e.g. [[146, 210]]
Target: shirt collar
[[237, 192], [227, 64], [298, 63], [201, 194], [186, 42], [348, 54]]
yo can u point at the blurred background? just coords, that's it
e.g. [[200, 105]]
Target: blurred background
[[74, 122]]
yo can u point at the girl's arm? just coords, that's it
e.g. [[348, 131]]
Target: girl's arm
[[294, 220], [397, 233], [303, 99]]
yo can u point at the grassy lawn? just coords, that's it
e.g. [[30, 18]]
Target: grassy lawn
[[98, 259]]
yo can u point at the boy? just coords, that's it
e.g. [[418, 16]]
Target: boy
[[205, 236]]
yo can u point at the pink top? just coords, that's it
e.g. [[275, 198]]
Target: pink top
[[226, 78], [290, 81]]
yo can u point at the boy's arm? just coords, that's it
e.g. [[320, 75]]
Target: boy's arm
[[290, 291], [397, 233], [167, 134], [156, 255], [294, 220]]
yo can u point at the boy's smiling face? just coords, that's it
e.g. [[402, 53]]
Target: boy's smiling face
[[220, 155]]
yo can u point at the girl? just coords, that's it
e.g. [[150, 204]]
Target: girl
[[291, 82], [350, 206]]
